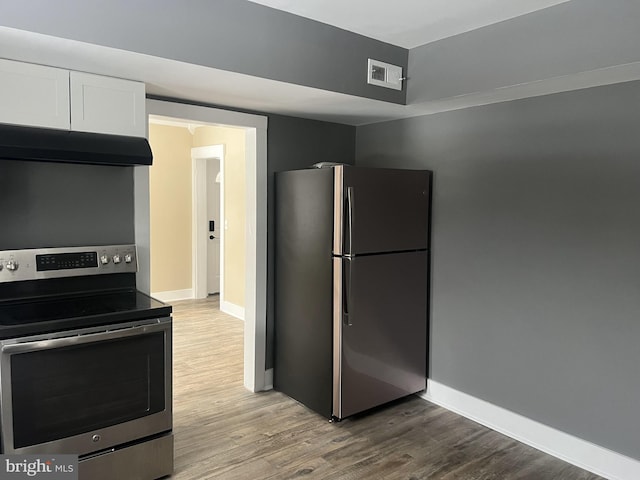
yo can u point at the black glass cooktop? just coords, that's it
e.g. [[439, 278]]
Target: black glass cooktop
[[50, 314]]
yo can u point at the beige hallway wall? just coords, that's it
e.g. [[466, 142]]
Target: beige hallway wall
[[170, 200]]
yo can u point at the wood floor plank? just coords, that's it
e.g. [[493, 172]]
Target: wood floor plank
[[223, 431]]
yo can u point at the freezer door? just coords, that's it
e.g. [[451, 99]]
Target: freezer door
[[381, 210], [380, 329]]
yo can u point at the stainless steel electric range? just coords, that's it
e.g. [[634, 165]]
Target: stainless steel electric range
[[85, 362]]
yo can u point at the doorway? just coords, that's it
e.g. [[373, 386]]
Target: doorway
[[208, 225], [255, 127]]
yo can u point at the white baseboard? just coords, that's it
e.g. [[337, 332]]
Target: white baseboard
[[268, 379], [232, 309], [173, 295], [581, 453]]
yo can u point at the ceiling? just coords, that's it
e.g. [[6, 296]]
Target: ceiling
[[409, 23], [402, 26]]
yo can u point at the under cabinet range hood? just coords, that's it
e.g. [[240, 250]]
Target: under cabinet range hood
[[49, 145]]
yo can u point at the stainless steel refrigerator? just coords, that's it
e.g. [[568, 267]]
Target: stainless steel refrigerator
[[351, 286]]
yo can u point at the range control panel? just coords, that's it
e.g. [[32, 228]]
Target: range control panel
[[39, 263]]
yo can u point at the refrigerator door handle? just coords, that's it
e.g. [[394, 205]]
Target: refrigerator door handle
[[346, 292], [338, 327], [350, 200]]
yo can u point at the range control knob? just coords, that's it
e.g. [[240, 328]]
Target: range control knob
[[104, 259], [116, 259], [12, 265], [128, 258]]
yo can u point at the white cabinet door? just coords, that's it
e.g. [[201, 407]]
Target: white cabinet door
[[34, 95], [107, 105]]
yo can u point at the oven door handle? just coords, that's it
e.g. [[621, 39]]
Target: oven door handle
[[81, 338]]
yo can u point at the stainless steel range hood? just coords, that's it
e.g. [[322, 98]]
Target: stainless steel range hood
[[48, 145]]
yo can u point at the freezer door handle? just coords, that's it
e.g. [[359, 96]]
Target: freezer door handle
[[347, 307], [350, 200]]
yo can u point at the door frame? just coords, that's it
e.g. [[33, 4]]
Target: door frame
[[255, 332], [200, 157]]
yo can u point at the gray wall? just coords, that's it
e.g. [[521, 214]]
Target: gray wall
[[294, 143], [233, 35], [565, 39], [60, 205], [536, 254]]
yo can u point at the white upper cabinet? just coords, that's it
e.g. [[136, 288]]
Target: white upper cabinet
[[41, 96], [34, 95], [107, 105]]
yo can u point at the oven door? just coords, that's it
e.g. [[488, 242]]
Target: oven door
[[86, 390]]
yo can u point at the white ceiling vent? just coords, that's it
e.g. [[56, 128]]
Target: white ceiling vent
[[384, 74]]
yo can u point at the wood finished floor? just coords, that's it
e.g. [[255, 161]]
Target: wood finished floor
[[223, 431]]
